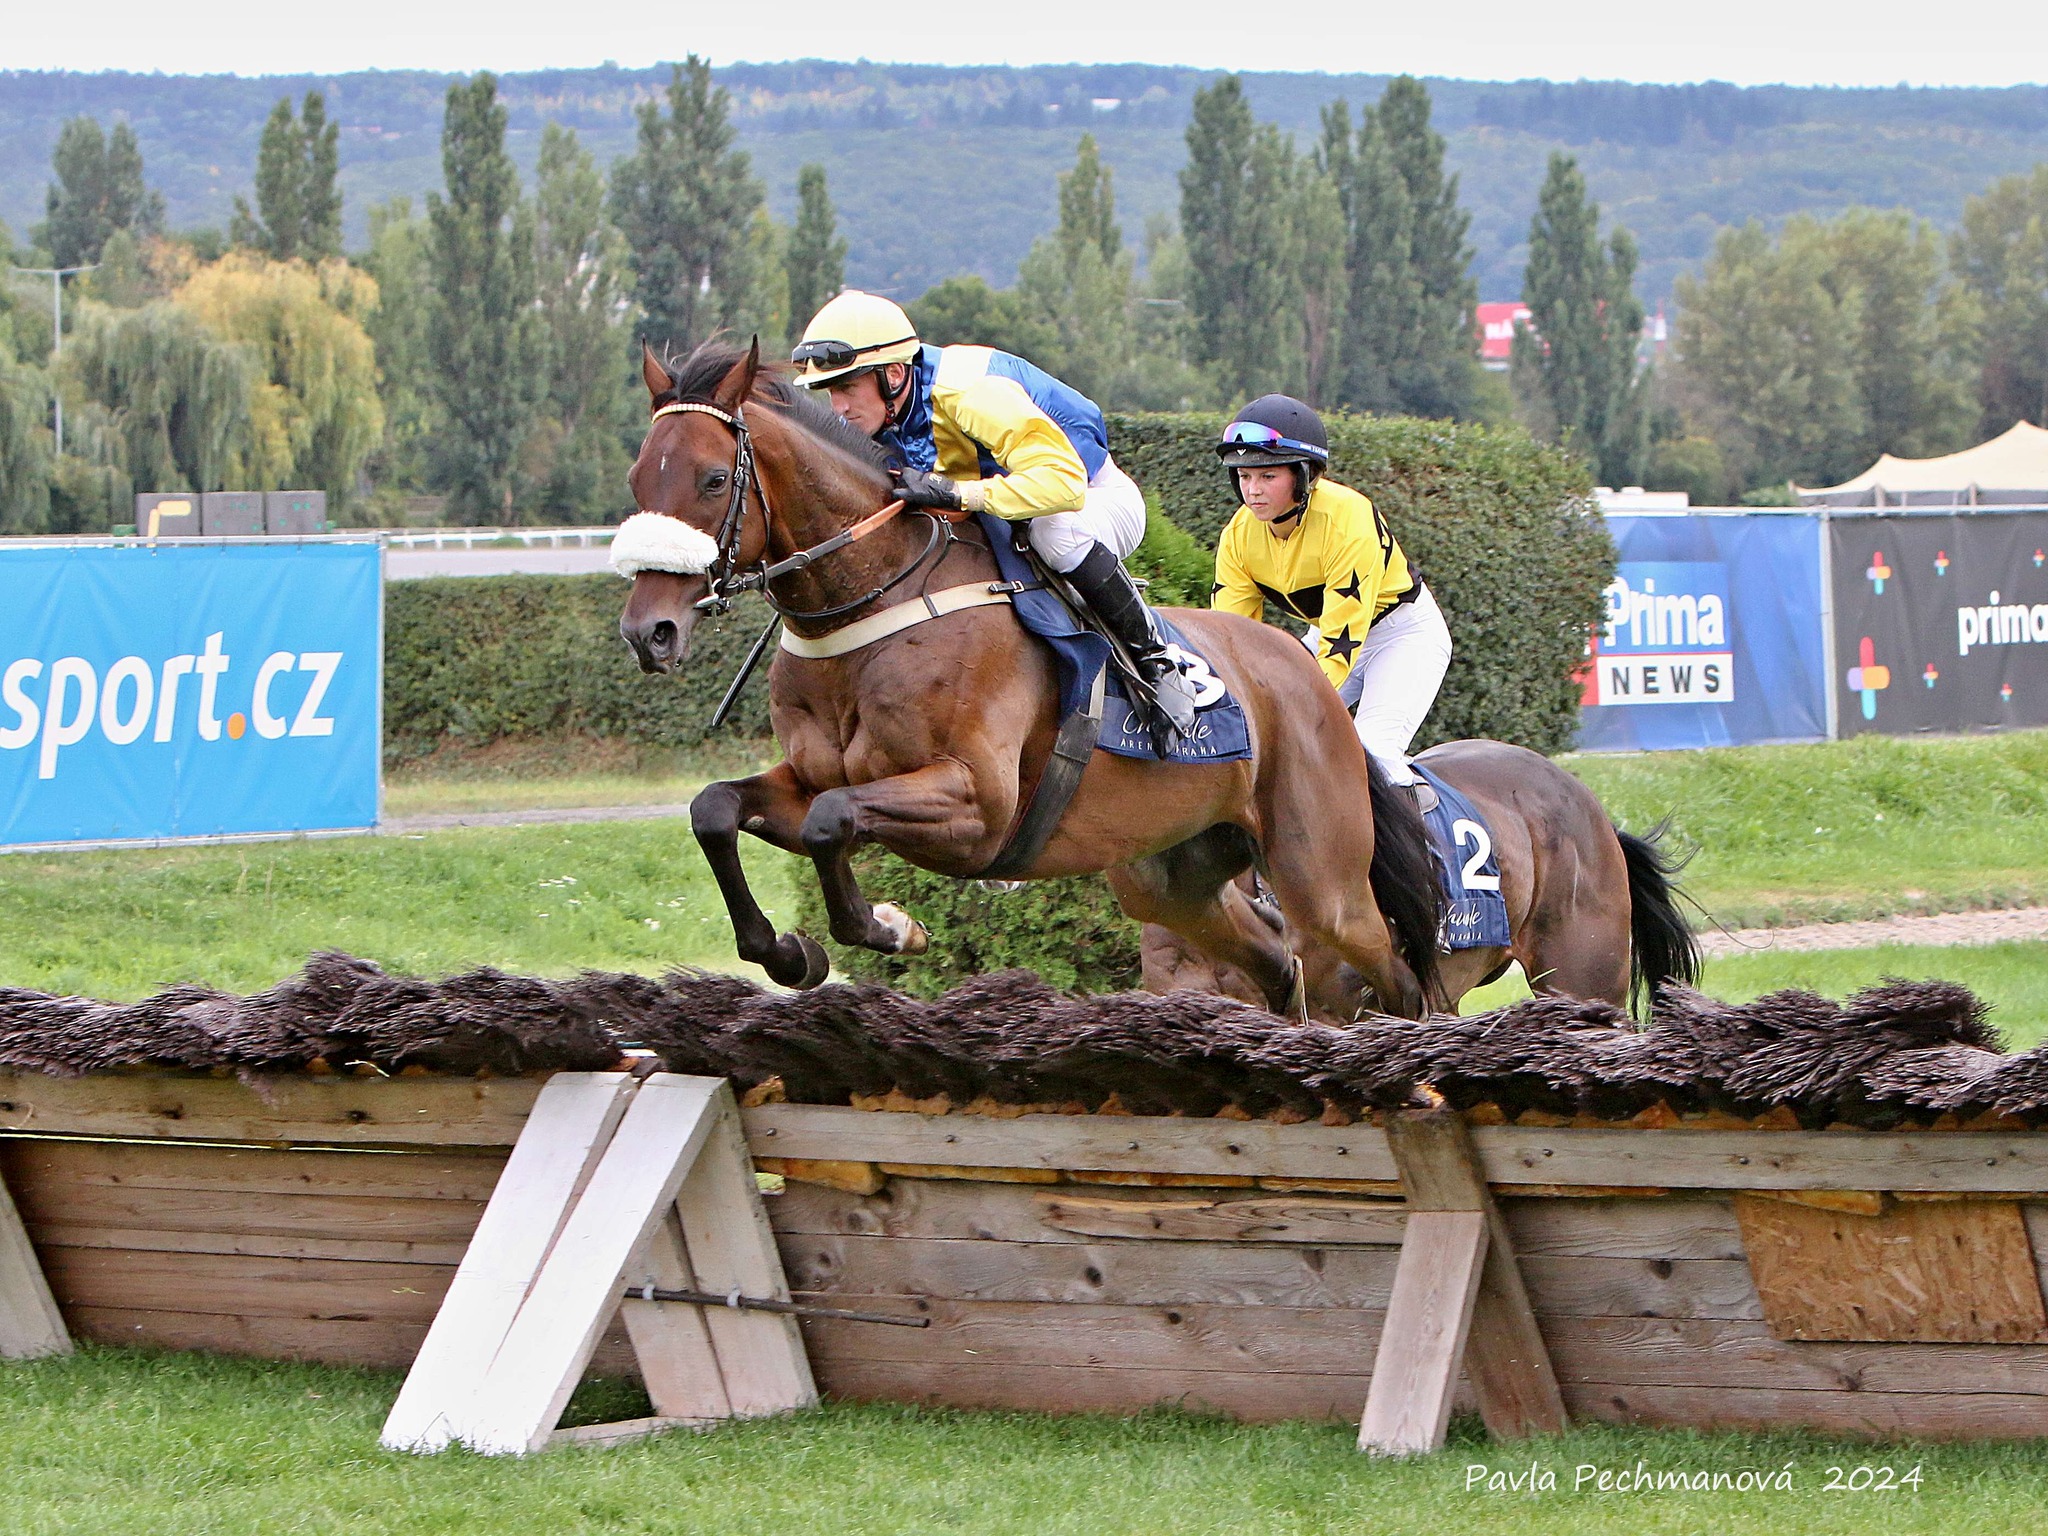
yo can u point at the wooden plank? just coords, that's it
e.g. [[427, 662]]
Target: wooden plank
[[229, 1213], [1261, 1397], [2011, 1162], [1958, 1272], [1422, 1342], [416, 1173], [380, 1343], [346, 1111], [30, 1324], [520, 1399], [732, 1249], [1263, 1219], [1680, 1228], [622, 1431], [255, 1245], [1504, 1352], [1139, 1144], [678, 1361], [571, 1125], [231, 1285], [1889, 1415]]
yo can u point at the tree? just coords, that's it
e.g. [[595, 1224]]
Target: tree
[[1408, 338], [1077, 280], [816, 259], [399, 261], [298, 204], [24, 448], [1264, 286], [314, 398], [1575, 362], [965, 310], [166, 400], [98, 190], [581, 268], [2001, 255], [1807, 357], [685, 200], [484, 335]]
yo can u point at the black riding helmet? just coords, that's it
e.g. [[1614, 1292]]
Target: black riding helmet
[[1275, 430]]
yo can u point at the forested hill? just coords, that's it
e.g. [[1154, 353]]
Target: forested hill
[[941, 170]]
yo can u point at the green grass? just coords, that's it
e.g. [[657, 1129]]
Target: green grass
[[1860, 828], [127, 1444], [550, 899], [2012, 978], [522, 776]]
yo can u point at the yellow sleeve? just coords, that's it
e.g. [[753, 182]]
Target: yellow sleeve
[[1235, 591], [1043, 473], [1353, 567]]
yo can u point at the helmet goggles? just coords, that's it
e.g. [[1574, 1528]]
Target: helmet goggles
[[1256, 435], [836, 354]]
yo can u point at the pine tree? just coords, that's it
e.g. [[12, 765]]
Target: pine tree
[[685, 200], [298, 209], [1077, 280], [1574, 362], [399, 259], [581, 266], [816, 261], [99, 189], [484, 338]]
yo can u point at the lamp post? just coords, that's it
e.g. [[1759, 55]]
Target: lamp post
[[56, 275]]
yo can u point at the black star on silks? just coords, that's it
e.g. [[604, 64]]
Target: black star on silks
[[1343, 646], [1215, 589], [1353, 590]]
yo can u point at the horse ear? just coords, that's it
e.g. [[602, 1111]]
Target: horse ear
[[738, 382], [657, 377]]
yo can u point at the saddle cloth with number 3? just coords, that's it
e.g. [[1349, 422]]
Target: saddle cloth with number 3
[[1220, 735], [1475, 912]]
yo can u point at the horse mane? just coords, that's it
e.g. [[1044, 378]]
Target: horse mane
[[697, 377]]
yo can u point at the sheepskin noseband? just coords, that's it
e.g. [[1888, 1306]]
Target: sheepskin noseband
[[653, 541]]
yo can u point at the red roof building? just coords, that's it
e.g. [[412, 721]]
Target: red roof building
[[1496, 326]]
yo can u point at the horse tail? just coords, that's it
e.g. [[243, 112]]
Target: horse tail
[[1662, 947], [1404, 876]]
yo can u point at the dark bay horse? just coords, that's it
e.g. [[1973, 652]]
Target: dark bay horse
[[929, 740]]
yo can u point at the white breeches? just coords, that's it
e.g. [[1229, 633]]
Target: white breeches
[[1393, 682], [1113, 515]]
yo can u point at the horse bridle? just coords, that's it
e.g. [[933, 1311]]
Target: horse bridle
[[728, 579]]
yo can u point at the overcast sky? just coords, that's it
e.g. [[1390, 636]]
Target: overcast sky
[[1879, 42]]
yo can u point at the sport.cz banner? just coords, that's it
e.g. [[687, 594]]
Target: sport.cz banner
[[1941, 622], [188, 690], [1713, 635]]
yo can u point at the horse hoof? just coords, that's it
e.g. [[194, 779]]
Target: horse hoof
[[817, 965], [910, 936]]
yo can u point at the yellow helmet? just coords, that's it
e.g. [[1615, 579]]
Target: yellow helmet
[[852, 332]]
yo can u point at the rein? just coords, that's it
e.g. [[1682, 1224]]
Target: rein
[[728, 579]]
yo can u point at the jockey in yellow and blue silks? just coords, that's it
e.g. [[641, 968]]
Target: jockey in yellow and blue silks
[[972, 429]]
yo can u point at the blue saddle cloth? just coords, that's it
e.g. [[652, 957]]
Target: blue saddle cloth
[[1220, 735], [1475, 913]]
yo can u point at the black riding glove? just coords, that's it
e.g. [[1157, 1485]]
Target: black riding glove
[[917, 488]]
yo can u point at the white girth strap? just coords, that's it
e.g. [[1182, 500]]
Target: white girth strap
[[894, 619]]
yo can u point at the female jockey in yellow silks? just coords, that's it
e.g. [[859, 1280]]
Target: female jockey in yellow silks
[[972, 429], [1321, 553]]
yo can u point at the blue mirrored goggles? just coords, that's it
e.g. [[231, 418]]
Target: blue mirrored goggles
[[1252, 434]]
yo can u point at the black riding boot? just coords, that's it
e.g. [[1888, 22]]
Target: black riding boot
[[1108, 590]]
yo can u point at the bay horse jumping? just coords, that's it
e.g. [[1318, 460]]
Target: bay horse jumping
[[929, 740]]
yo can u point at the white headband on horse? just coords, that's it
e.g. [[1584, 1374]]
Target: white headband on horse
[[654, 541]]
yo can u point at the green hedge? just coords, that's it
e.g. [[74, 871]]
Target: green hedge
[[1498, 525], [476, 659]]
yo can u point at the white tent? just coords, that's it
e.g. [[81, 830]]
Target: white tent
[[2009, 471]]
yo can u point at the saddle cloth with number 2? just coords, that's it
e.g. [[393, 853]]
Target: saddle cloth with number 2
[[1475, 912]]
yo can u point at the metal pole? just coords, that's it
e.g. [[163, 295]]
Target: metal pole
[[56, 275]]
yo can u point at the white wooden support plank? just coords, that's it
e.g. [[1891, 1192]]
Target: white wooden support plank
[[30, 1324], [678, 1363], [571, 1125], [1408, 1402], [520, 1399], [732, 1248]]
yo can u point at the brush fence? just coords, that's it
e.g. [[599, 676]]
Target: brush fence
[[1867, 1282]]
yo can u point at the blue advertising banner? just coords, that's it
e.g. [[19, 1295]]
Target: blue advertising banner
[[1714, 635], [188, 689]]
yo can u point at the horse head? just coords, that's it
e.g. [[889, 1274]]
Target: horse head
[[682, 485]]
